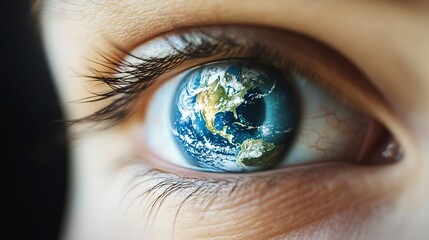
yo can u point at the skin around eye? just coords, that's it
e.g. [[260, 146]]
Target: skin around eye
[[386, 39]]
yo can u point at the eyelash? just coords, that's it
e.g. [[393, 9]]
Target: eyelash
[[164, 185], [135, 79], [127, 81]]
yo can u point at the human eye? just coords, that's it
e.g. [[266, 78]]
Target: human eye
[[323, 113], [223, 99]]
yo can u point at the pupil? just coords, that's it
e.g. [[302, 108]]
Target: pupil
[[234, 116], [252, 111]]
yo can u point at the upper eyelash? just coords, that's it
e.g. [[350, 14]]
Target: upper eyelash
[[128, 80]]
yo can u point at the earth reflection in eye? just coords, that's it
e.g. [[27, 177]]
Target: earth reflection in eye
[[234, 116]]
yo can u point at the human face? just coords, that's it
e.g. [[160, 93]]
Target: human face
[[122, 190]]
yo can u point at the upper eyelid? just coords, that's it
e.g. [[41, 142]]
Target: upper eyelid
[[128, 27], [259, 49]]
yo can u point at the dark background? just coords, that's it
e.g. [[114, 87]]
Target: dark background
[[34, 161]]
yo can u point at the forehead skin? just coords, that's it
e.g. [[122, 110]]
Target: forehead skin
[[371, 34]]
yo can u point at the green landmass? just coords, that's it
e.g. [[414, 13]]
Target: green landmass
[[258, 153], [216, 99]]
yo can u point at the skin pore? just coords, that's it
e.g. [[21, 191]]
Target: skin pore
[[386, 40]]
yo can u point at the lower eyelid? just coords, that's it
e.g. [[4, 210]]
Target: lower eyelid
[[288, 200]]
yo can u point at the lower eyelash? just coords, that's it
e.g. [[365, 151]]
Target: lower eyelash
[[152, 187]]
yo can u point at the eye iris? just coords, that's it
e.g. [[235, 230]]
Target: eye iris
[[234, 116]]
